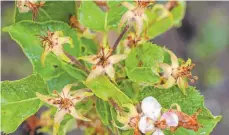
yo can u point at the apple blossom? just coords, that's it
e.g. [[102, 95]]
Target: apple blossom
[[152, 120]]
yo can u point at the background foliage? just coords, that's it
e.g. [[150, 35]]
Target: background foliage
[[208, 75]]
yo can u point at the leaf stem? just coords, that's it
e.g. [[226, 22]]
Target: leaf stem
[[120, 37]]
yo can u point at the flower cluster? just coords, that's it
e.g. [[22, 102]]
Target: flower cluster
[[153, 120]]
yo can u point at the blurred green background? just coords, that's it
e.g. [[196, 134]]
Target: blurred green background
[[203, 37]]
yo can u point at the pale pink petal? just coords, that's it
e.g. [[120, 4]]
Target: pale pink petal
[[65, 40], [59, 116], [167, 69], [158, 132], [173, 58], [79, 95], [151, 107], [23, 9], [58, 50], [47, 99], [169, 83], [171, 118], [77, 115], [126, 18], [128, 5], [90, 59], [65, 92], [145, 124], [139, 25], [116, 58], [99, 70], [110, 71]]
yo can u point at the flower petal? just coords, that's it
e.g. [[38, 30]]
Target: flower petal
[[47, 99], [146, 124], [182, 84], [59, 116], [171, 118], [77, 115], [169, 83], [90, 59], [116, 58], [128, 5], [80, 95], [139, 25], [66, 90], [167, 69], [99, 70], [110, 71], [173, 58], [23, 9], [151, 107], [126, 18], [66, 40], [158, 132], [44, 54]]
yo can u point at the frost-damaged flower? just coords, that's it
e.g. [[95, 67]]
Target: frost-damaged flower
[[186, 121], [176, 74], [135, 15], [132, 41], [65, 103], [53, 42], [25, 6], [128, 119], [152, 121], [103, 62]]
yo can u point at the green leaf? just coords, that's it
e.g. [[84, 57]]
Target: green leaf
[[178, 13], [94, 17], [158, 24], [142, 63], [103, 110], [90, 47], [25, 34], [58, 83], [19, 101], [52, 10], [127, 87], [189, 104], [91, 15], [116, 10], [105, 90], [74, 72]]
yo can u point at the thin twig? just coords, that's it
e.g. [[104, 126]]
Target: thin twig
[[77, 63], [120, 37]]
